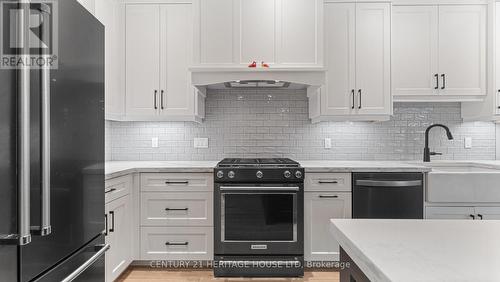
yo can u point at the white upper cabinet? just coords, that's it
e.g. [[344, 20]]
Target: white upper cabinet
[[462, 49], [278, 32], [439, 53], [497, 57], [159, 51], [109, 13], [340, 59], [257, 40], [414, 50], [142, 60], [373, 58], [358, 56], [176, 98]]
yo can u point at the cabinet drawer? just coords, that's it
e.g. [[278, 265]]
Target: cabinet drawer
[[180, 182], [117, 187], [328, 182], [176, 243], [177, 209]]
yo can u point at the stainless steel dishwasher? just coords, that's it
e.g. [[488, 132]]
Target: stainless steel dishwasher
[[388, 195]]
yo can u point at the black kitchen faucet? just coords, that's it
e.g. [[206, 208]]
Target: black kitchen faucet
[[427, 152]]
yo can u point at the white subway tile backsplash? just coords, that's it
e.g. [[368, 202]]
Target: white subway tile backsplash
[[275, 123]]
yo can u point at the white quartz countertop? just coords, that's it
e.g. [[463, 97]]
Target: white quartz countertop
[[422, 250], [119, 168]]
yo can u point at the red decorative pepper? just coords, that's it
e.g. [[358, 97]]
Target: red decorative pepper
[[253, 64]]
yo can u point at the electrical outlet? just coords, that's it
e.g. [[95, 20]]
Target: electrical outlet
[[154, 142], [328, 143], [468, 142], [201, 143]]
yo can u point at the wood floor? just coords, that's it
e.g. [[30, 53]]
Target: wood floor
[[136, 274]]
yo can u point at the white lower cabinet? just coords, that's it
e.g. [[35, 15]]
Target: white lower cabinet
[[463, 212], [326, 196], [176, 243], [176, 216], [319, 208], [119, 233]]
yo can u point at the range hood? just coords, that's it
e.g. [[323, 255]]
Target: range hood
[[250, 78]]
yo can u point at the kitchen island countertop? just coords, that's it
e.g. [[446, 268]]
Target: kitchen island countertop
[[422, 250]]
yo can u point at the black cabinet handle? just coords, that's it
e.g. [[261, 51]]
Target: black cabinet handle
[[106, 225], [155, 99], [169, 209], [359, 92], [161, 102], [110, 190], [329, 196], [112, 229], [328, 182], [437, 81], [353, 99], [444, 81], [472, 216], [480, 216], [177, 182], [177, 243]]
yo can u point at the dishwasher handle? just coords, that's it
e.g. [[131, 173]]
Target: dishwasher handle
[[389, 183]]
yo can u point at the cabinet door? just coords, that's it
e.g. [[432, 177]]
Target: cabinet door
[[257, 38], [119, 237], [142, 59], [217, 30], [462, 49], [488, 213], [176, 29], [107, 11], [301, 34], [449, 212], [415, 50], [319, 208], [497, 55], [373, 58], [338, 99]]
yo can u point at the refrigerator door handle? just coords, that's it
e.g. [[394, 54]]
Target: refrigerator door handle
[[86, 264], [24, 229], [45, 228]]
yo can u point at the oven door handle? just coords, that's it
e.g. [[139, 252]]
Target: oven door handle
[[258, 188], [390, 183]]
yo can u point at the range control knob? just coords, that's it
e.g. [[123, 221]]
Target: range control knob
[[259, 174], [287, 174], [230, 174], [220, 174], [298, 174]]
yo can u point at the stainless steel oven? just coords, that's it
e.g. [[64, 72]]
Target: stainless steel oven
[[256, 219]]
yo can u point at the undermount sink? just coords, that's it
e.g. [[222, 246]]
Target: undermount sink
[[462, 182]]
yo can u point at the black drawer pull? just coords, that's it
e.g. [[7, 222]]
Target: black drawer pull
[[328, 182], [106, 225], [110, 190], [169, 209], [112, 229], [480, 216], [329, 196], [177, 243], [472, 216], [177, 182]]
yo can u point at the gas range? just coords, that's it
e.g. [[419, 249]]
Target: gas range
[[259, 218], [259, 170]]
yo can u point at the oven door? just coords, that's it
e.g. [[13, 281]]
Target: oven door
[[259, 219]]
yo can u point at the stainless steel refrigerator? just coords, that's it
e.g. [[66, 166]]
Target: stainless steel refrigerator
[[52, 150]]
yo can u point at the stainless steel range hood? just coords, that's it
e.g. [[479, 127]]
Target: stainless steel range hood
[[257, 84], [244, 78]]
